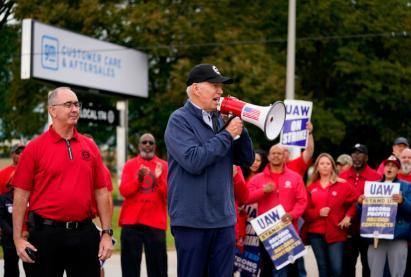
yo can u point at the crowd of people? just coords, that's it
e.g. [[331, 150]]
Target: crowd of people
[[58, 184]]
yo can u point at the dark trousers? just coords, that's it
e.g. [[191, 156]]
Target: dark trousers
[[355, 246], [267, 265], [133, 239], [11, 262], [59, 250], [329, 256], [204, 252]]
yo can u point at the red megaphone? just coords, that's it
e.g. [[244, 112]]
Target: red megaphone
[[270, 119]]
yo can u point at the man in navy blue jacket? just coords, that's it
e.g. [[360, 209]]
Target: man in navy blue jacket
[[200, 178]]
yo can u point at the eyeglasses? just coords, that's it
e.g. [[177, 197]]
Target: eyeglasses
[[147, 142], [69, 104]]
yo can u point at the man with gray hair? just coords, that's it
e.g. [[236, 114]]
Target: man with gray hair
[[405, 172], [201, 153], [60, 175], [143, 215]]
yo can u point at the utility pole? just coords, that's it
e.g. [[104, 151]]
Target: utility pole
[[289, 92]]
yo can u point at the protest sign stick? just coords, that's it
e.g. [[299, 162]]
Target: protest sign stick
[[376, 239]]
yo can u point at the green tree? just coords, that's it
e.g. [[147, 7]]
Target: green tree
[[357, 72], [348, 62]]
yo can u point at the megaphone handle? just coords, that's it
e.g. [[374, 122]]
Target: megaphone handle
[[230, 117]]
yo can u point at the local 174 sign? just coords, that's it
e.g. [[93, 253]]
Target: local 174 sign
[[100, 115], [379, 211], [280, 239], [294, 132]]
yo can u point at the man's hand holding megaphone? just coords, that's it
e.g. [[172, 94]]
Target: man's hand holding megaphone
[[270, 119], [235, 127]]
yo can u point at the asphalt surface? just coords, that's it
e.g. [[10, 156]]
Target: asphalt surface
[[113, 267]]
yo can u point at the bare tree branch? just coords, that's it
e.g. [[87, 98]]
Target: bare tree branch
[[6, 8]]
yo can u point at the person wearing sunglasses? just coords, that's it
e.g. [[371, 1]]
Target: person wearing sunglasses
[[11, 260], [60, 175], [143, 215], [201, 153]]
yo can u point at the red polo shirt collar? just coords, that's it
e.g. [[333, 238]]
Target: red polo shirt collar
[[56, 137]]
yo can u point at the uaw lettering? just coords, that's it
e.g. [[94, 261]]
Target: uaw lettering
[[378, 210], [294, 132], [247, 260], [56, 56], [280, 239]]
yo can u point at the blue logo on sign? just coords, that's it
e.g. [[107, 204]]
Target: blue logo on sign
[[49, 52]]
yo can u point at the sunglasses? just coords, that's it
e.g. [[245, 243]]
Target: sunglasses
[[147, 142], [18, 151]]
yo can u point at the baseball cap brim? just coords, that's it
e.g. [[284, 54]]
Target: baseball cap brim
[[220, 79]]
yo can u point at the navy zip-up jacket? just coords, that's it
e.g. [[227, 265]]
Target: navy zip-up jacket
[[200, 176]]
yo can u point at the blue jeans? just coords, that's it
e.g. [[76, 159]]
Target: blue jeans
[[329, 257]]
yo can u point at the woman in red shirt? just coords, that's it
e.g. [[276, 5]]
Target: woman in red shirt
[[331, 205], [259, 164]]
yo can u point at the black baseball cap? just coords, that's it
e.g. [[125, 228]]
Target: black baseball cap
[[207, 73], [360, 148], [401, 140]]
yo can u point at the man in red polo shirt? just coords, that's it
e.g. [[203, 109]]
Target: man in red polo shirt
[[278, 185], [6, 174], [302, 162], [58, 175], [356, 176], [143, 215]]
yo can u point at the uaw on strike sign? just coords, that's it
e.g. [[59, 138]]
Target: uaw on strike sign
[[379, 210], [294, 132], [280, 240]]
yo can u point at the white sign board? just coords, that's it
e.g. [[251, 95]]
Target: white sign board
[[61, 56], [294, 132]]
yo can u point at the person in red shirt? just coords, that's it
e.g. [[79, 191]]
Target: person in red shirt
[[240, 195], [278, 185], [6, 174], [260, 161], [405, 172], [344, 162], [398, 146], [143, 215], [357, 175], [11, 259], [109, 183], [301, 163], [59, 174], [331, 206]]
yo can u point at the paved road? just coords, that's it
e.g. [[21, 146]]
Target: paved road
[[113, 268]]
